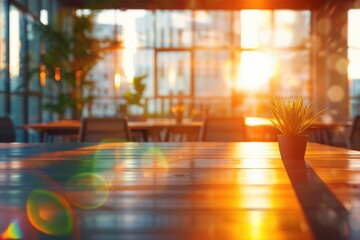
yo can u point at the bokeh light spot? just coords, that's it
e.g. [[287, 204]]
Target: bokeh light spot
[[87, 190], [13, 231], [335, 94], [342, 66], [324, 25], [49, 212]]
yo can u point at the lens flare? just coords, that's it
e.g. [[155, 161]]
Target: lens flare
[[49, 212], [87, 191], [13, 231], [154, 157]]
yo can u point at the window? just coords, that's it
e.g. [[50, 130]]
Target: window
[[354, 60], [2, 49], [198, 55]]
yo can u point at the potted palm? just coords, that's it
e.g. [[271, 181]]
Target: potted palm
[[292, 117]]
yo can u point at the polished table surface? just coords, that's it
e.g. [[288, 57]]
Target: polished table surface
[[177, 191]]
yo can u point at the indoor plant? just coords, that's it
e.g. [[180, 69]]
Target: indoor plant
[[178, 111], [73, 54], [293, 118]]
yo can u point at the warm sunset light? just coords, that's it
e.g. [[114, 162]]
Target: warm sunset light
[[256, 69], [202, 17], [130, 42], [117, 80], [249, 32], [256, 121], [172, 78], [57, 74], [42, 75]]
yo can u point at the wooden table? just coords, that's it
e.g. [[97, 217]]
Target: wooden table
[[71, 127], [177, 191]]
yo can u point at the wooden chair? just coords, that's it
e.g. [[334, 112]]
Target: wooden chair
[[7, 130], [355, 134], [223, 129], [181, 133], [104, 130], [138, 135]]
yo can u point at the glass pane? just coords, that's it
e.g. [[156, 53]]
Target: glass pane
[[354, 63], [173, 29], [46, 114], [354, 80], [353, 28], [33, 6], [34, 109], [212, 73], [34, 116], [144, 28], [17, 114], [22, 2], [2, 45], [173, 73], [17, 55], [292, 28], [45, 12], [103, 76], [212, 28], [2, 104], [33, 40], [144, 64], [293, 73], [255, 27]]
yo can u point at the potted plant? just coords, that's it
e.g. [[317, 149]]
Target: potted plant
[[292, 117], [72, 55], [178, 111], [134, 96]]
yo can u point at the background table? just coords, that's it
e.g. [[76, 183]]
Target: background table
[[258, 129], [151, 127], [179, 191]]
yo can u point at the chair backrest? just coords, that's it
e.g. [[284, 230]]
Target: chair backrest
[[355, 134], [104, 130], [223, 129], [7, 130]]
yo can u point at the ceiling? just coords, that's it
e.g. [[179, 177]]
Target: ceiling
[[198, 4]]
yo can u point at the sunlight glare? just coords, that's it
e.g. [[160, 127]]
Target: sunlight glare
[[117, 80], [255, 71], [130, 44]]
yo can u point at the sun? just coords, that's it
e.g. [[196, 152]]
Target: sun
[[254, 72]]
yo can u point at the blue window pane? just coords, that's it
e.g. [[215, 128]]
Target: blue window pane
[[2, 45], [2, 105], [17, 114]]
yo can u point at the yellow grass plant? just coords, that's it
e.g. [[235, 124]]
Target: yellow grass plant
[[292, 116]]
